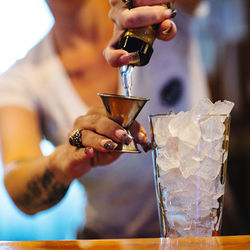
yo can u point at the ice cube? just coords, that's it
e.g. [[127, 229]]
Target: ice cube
[[209, 168], [220, 107], [206, 203], [204, 107], [164, 161], [172, 180], [212, 128], [188, 166], [183, 127], [161, 132], [178, 221], [216, 151], [171, 147], [201, 150]]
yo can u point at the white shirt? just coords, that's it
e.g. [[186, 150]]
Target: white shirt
[[121, 197]]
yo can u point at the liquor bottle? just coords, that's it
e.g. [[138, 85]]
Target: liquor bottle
[[141, 40]]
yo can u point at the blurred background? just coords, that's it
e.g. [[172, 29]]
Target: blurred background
[[225, 45], [22, 25], [222, 28]]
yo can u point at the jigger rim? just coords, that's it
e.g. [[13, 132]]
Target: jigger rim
[[136, 98]]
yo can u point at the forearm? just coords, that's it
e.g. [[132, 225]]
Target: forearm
[[35, 184]]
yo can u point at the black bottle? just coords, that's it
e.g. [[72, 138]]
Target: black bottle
[[141, 40]]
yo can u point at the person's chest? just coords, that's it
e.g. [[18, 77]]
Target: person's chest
[[90, 74]]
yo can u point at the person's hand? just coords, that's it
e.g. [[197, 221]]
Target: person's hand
[[143, 13], [99, 137]]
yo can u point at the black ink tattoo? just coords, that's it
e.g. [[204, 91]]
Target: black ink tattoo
[[42, 192], [24, 200], [34, 188], [58, 191], [47, 178]]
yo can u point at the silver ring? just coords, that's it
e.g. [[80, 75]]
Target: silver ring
[[76, 138]]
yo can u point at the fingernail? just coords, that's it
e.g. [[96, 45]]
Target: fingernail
[[168, 30], [131, 58], [168, 13], [141, 137], [110, 145], [147, 146], [123, 136], [173, 14], [127, 139], [87, 150]]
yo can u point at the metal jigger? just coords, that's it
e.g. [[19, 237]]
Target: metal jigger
[[123, 110]]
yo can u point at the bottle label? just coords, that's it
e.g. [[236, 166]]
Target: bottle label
[[147, 34]]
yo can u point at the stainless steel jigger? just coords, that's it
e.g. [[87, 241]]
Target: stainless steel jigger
[[124, 110]]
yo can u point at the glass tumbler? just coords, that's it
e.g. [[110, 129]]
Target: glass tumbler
[[189, 160]]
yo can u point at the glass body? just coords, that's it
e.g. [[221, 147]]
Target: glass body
[[190, 159]]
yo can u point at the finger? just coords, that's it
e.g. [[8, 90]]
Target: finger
[[111, 53], [102, 158], [118, 57], [80, 161], [143, 16], [140, 136], [98, 142], [114, 56], [166, 30], [102, 125]]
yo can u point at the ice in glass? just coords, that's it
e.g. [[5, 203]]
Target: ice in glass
[[190, 157]]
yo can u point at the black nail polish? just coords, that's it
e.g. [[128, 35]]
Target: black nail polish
[[109, 145], [173, 14], [86, 150], [126, 139], [147, 146]]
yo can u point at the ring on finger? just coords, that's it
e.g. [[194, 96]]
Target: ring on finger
[[76, 138]]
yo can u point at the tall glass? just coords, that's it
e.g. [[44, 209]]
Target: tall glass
[[190, 158]]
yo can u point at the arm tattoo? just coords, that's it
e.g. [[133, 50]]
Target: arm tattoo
[[42, 192]]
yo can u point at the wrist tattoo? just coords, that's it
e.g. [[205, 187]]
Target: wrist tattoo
[[42, 192]]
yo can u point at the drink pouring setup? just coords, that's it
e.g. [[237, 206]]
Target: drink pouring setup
[[189, 153], [124, 108]]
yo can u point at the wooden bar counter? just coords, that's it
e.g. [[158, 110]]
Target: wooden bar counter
[[204, 243]]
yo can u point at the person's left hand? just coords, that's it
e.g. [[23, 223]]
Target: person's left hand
[[99, 136], [143, 13]]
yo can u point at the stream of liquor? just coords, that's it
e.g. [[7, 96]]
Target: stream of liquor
[[126, 76]]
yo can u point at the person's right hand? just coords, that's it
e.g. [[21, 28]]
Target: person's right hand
[[100, 136], [143, 13]]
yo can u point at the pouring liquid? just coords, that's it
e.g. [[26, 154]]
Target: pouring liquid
[[126, 76]]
